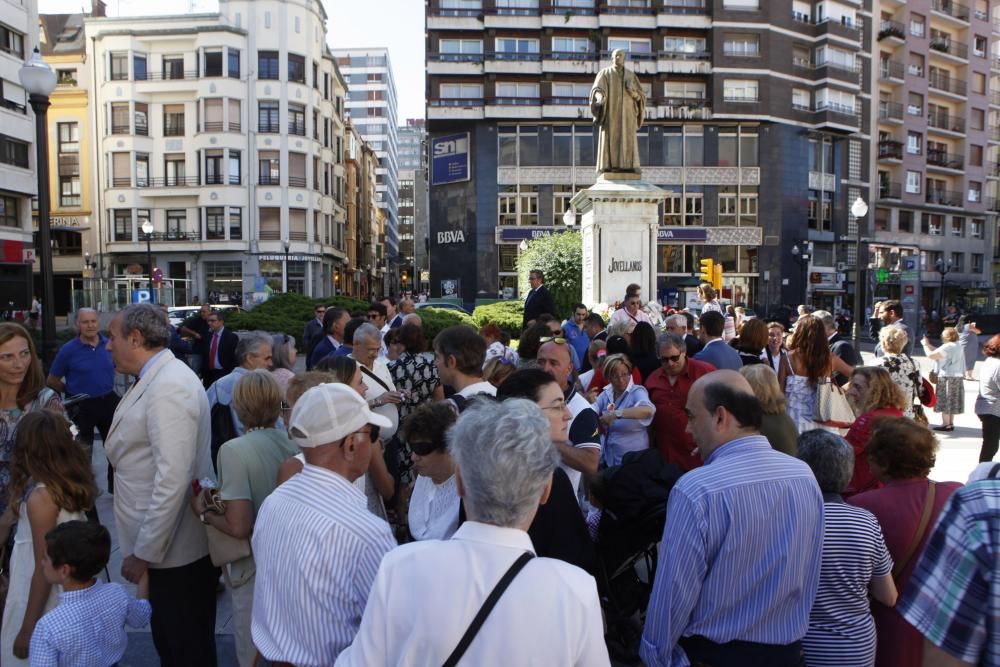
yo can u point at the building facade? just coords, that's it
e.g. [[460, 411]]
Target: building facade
[[372, 106], [18, 182], [936, 184], [412, 203], [225, 132], [761, 153]]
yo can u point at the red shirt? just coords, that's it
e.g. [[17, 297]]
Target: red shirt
[[670, 421], [858, 436]]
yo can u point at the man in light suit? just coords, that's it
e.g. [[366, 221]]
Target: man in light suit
[[158, 443]]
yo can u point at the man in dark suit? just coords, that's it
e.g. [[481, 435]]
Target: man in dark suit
[[716, 351], [538, 301], [839, 345], [220, 357], [313, 331]]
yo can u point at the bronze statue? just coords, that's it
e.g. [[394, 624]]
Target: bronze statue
[[619, 107]]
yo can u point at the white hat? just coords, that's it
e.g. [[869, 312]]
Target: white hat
[[328, 413]]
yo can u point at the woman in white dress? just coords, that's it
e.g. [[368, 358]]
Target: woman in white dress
[[810, 363], [51, 482], [434, 503]]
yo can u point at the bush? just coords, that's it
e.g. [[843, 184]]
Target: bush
[[505, 314], [560, 257], [288, 313], [436, 319]]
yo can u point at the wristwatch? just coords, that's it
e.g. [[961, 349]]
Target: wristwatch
[[201, 517], [376, 402], [619, 413]]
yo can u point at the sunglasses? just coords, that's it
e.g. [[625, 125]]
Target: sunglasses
[[425, 448], [558, 340], [673, 358]]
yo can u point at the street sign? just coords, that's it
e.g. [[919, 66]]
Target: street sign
[[157, 275], [142, 296], [450, 159]]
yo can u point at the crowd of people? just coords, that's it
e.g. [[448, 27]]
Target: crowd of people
[[469, 498]]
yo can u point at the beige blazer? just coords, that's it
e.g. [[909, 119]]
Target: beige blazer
[[159, 441]]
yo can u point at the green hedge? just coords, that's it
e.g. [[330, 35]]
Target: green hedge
[[560, 256], [436, 319], [288, 313], [505, 314]]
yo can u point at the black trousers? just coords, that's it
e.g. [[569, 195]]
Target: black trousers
[[95, 412], [183, 622], [704, 652], [991, 437]]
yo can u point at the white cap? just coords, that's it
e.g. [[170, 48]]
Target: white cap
[[328, 413]]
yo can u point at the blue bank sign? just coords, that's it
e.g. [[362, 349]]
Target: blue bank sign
[[450, 159]]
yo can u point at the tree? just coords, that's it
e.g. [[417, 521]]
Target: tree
[[560, 258]]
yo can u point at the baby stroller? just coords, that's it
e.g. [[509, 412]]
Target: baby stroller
[[633, 498]]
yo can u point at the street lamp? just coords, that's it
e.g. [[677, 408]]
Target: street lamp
[[284, 273], [803, 257], [39, 81], [859, 209], [943, 267], [147, 229]]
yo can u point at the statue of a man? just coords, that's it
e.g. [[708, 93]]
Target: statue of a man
[[619, 107]]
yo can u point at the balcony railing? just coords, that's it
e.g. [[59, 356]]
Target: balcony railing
[[514, 101], [945, 159], [891, 69], [946, 83], [890, 190], [566, 101], [850, 68], [454, 12], [605, 55], [686, 55], [943, 121], [456, 57], [457, 102], [993, 168], [556, 8], [297, 128], [684, 8], [633, 8], [694, 102], [176, 235], [993, 204], [890, 111], [585, 56], [514, 11], [121, 182], [891, 28], [268, 179], [169, 75], [944, 197], [269, 128], [953, 9], [119, 128], [943, 45], [739, 52], [297, 181], [891, 150], [173, 128]]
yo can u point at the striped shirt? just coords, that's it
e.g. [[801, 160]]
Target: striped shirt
[[740, 554], [317, 549], [841, 627], [953, 598]]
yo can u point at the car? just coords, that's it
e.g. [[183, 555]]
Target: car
[[441, 304], [178, 314]]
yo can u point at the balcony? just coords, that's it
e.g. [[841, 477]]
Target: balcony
[[121, 182], [889, 190], [946, 83], [221, 179], [120, 128], [693, 102], [221, 127], [890, 28], [457, 102], [890, 150], [628, 7], [514, 101], [993, 204], [948, 123], [566, 101], [269, 179], [947, 46], [297, 181], [269, 128], [173, 128], [513, 10], [993, 169], [694, 7], [946, 160], [952, 9], [839, 28], [171, 75], [891, 69], [632, 56], [890, 111], [556, 8], [837, 116], [944, 198], [455, 57], [297, 128]]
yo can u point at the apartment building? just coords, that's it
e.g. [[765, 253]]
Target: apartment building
[[938, 150], [412, 202], [365, 223], [758, 125], [18, 183], [225, 132]]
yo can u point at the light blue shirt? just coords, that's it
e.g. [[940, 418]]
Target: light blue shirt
[[625, 435], [578, 341], [87, 629], [740, 555]]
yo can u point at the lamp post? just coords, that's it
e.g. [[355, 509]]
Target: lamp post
[[284, 273], [944, 268], [39, 81], [147, 229], [859, 209], [803, 257]]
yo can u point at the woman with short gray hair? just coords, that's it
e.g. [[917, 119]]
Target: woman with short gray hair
[[855, 562]]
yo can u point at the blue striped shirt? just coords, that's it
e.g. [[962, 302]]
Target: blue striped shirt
[[317, 549], [740, 555]]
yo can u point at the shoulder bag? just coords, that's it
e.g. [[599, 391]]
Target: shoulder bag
[[222, 548], [925, 519], [832, 408], [487, 607]]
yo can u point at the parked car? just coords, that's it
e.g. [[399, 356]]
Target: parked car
[[177, 314]]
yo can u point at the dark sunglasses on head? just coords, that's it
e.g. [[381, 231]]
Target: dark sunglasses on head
[[424, 448]]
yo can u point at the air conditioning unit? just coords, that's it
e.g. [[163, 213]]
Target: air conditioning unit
[[841, 266]]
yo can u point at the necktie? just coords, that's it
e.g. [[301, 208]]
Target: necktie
[[213, 351]]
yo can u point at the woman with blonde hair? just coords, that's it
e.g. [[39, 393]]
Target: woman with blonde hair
[[283, 356], [810, 363], [775, 424], [625, 411], [873, 394], [901, 367], [950, 373]]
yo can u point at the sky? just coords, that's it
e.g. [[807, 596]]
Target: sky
[[350, 23]]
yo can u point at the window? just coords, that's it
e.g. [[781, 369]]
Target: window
[[268, 117], [975, 191], [176, 223], [213, 114], [213, 167], [801, 57], [296, 68], [976, 229], [958, 262], [958, 226], [740, 90], [119, 118], [13, 152], [742, 45], [269, 168], [173, 67], [977, 263], [175, 169], [119, 67], [916, 65], [905, 221], [121, 170], [510, 91], [975, 156], [979, 46], [234, 63], [918, 25], [11, 42], [521, 7], [215, 227], [914, 143], [694, 208], [235, 167], [571, 45], [694, 147], [512, 48], [234, 115], [139, 67], [296, 170], [173, 120], [235, 223], [141, 170], [915, 104], [267, 64], [932, 224], [630, 45], [978, 82], [978, 119], [213, 63], [800, 99], [461, 49], [913, 182], [685, 45], [461, 91], [577, 91], [296, 119], [123, 224], [745, 5]]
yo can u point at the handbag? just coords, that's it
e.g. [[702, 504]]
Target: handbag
[[222, 548], [928, 396], [933, 376], [919, 416], [832, 408]]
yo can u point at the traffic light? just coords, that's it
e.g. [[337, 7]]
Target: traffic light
[[707, 271], [717, 278]]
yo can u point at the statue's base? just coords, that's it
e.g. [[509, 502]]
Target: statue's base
[[620, 176]]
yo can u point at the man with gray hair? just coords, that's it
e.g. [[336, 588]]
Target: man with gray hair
[[839, 345], [158, 442], [220, 349], [380, 389], [678, 324], [542, 611], [253, 351]]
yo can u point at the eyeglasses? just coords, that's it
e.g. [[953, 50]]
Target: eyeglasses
[[619, 376], [424, 448], [372, 432], [558, 340], [674, 358], [558, 407]]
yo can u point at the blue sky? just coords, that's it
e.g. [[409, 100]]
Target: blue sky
[[351, 23]]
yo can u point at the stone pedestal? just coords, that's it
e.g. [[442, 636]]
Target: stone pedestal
[[619, 228]]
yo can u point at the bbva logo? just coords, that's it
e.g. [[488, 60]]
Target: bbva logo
[[457, 236]]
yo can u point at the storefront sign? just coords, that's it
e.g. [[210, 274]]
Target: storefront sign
[[624, 265], [451, 287], [445, 238], [450, 159], [518, 234], [290, 258], [682, 234]]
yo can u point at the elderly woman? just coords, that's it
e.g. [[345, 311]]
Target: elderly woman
[[434, 503], [248, 471], [283, 356], [901, 454], [902, 369], [950, 373], [381, 391], [775, 424], [873, 394], [855, 563], [988, 401], [625, 411]]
